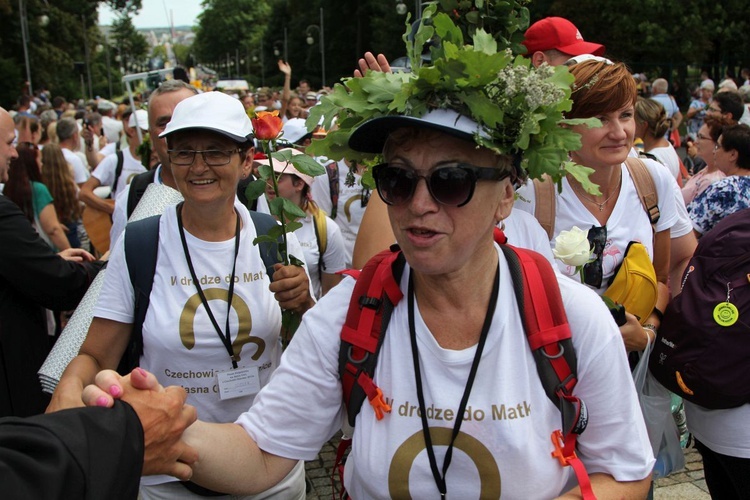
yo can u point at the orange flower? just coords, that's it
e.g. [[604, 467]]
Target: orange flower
[[267, 125]]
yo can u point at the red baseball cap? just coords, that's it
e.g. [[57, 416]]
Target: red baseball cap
[[560, 34]]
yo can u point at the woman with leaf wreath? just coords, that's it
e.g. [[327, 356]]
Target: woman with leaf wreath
[[453, 363], [212, 324]]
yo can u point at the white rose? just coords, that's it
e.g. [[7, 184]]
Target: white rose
[[573, 247]]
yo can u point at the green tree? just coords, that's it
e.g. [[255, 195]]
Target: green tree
[[131, 45], [227, 26], [54, 47]]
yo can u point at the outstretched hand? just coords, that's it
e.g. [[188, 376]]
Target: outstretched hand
[[76, 255], [163, 414], [372, 63]]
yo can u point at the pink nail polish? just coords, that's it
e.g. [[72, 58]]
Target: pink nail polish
[[115, 390], [102, 401], [142, 372]]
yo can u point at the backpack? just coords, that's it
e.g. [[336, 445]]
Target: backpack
[[138, 186], [544, 191], [141, 251], [702, 348], [377, 292]]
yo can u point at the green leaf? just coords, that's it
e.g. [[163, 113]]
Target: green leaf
[[255, 189], [265, 172], [581, 174], [307, 165], [484, 42], [292, 226], [295, 261], [291, 208]]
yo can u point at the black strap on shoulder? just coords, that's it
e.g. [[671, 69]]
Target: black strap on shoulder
[[141, 250], [269, 252], [137, 187], [333, 184], [118, 171]]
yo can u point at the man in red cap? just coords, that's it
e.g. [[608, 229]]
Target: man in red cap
[[554, 40]]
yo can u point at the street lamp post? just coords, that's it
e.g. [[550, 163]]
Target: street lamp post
[[87, 56], [25, 39], [321, 42], [402, 9]]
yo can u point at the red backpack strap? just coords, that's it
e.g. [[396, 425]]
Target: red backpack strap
[[375, 294], [548, 333]]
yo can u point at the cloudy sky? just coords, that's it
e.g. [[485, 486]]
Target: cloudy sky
[[155, 13]]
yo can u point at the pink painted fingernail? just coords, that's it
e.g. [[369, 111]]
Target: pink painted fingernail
[[142, 372], [102, 401], [115, 390]]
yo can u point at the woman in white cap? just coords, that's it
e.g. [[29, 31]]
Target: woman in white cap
[[453, 360], [212, 324], [319, 236]]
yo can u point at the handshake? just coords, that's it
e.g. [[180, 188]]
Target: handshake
[[163, 414]]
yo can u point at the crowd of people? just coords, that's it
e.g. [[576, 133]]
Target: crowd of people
[[211, 318]]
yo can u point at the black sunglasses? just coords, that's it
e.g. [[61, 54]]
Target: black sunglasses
[[451, 184], [592, 272]]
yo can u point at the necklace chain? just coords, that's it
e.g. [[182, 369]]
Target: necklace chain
[[602, 204]]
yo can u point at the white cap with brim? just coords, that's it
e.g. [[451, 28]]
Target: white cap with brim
[[370, 137], [140, 117], [294, 130], [213, 111], [283, 167]]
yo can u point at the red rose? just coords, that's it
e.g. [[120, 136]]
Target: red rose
[[267, 125]]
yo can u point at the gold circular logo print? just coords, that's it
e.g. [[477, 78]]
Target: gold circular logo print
[[348, 204], [244, 318], [403, 460]]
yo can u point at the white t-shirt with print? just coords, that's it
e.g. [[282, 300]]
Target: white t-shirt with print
[[80, 171], [628, 222], [505, 436], [350, 208], [180, 344], [106, 169]]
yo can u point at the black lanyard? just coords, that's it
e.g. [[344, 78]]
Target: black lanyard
[[226, 339], [440, 478]]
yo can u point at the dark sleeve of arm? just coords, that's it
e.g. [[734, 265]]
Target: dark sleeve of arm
[[33, 269], [88, 453]]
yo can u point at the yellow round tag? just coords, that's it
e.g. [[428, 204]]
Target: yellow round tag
[[726, 314]]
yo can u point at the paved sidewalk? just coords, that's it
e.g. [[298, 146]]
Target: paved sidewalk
[[687, 484]]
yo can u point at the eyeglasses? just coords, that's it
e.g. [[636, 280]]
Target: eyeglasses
[[451, 184], [587, 57], [715, 110], [702, 137], [211, 157], [592, 272]]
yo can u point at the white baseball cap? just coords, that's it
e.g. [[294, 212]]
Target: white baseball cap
[[141, 117], [294, 129], [214, 111], [283, 167]]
